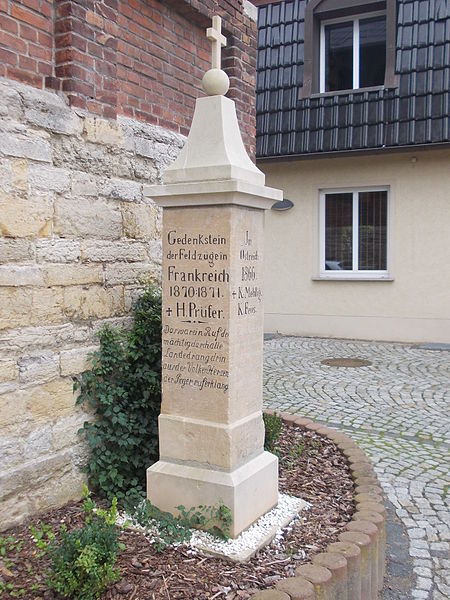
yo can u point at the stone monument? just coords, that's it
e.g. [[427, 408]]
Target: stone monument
[[211, 432]]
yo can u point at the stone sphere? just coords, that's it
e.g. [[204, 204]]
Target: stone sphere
[[215, 82]]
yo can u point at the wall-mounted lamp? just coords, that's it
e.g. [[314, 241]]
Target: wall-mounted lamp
[[284, 204]]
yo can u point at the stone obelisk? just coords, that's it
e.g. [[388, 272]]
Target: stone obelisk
[[211, 432]]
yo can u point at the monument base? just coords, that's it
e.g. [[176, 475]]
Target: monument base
[[249, 491]]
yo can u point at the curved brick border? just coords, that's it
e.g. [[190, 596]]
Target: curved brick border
[[352, 568]]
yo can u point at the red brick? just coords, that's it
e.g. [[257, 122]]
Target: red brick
[[6, 56], [95, 107], [24, 76], [76, 101], [12, 43], [94, 19], [45, 68], [28, 64], [53, 83], [107, 97], [9, 25], [45, 39], [40, 52], [79, 87], [33, 19]]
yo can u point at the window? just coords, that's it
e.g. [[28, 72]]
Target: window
[[349, 44], [352, 53], [354, 226]]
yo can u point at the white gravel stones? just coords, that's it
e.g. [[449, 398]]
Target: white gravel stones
[[271, 526], [397, 410], [256, 536]]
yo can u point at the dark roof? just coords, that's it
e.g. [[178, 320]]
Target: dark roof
[[415, 112]]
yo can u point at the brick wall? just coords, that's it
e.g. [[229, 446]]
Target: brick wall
[[26, 40], [140, 58]]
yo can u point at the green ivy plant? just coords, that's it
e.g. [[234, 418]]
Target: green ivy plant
[[123, 390], [170, 529]]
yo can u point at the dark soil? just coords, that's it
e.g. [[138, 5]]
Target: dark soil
[[311, 467]]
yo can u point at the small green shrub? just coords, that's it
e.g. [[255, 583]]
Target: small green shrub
[[123, 389], [273, 425], [83, 560]]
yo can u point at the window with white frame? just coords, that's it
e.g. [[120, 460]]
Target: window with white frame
[[354, 233], [353, 52]]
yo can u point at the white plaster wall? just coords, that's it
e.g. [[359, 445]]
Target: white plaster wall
[[415, 305]]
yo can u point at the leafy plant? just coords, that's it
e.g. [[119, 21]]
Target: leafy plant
[[42, 536], [123, 388], [82, 563], [12, 591], [169, 529], [273, 425], [8, 546]]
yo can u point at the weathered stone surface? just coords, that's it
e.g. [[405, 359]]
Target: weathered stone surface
[[91, 218], [73, 275], [49, 111], [75, 360], [20, 340], [131, 294], [64, 482], [25, 147], [8, 369], [10, 101], [15, 307], [38, 443], [101, 131], [11, 451], [95, 301], [13, 404], [26, 217], [12, 250], [16, 276], [121, 189], [19, 175], [65, 431], [50, 400], [141, 221], [58, 250], [84, 184], [46, 177], [125, 274], [41, 367], [104, 251], [92, 158], [47, 306]]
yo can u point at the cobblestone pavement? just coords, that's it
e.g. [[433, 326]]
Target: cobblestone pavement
[[398, 410]]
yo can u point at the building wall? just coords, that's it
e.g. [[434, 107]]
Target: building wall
[[414, 305], [95, 96]]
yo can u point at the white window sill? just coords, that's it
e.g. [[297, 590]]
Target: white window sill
[[352, 277]]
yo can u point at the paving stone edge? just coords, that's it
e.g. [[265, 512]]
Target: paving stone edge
[[353, 568]]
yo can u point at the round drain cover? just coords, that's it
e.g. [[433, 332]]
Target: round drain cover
[[346, 362]]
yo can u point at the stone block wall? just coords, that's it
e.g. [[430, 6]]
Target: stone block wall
[[77, 241]]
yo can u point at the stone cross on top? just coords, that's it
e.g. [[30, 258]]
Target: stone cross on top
[[215, 82], [219, 41]]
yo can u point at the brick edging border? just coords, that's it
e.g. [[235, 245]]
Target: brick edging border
[[354, 567]]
